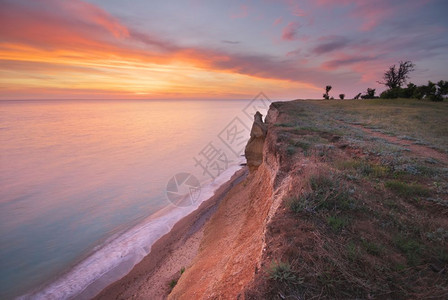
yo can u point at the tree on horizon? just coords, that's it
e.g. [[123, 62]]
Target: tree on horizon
[[395, 77], [327, 90]]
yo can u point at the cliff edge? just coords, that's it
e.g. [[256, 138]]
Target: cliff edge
[[330, 209]]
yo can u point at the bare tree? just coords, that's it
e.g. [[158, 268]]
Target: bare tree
[[397, 76]]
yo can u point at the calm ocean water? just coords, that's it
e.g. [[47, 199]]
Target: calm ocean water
[[83, 184]]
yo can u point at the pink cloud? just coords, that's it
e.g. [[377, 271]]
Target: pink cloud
[[290, 31], [294, 53], [92, 32], [295, 8], [242, 13], [347, 60], [278, 21], [51, 22], [330, 43]]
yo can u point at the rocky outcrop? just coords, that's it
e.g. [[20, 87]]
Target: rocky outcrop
[[254, 147]]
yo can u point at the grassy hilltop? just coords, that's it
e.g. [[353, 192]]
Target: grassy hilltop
[[367, 216]]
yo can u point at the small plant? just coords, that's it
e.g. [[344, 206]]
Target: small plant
[[290, 150], [172, 283], [304, 145], [442, 256], [405, 189], [282, 272], [410, 247], [300, 204], [321, 182], [341, 96], [372, 248], [337, 223], [352, 251]]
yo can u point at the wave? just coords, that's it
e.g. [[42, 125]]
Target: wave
[[120, 253]]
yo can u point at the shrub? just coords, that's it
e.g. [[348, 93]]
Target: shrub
[[341, 96], [337, 223], [370, 94], [290, 150], [304, 203], [411, 249], [372, 248], [172, 283], [282, 272]]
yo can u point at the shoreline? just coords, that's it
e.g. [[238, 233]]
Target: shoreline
[[169, 254]]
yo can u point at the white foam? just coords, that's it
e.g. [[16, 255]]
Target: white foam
[[118, 256]]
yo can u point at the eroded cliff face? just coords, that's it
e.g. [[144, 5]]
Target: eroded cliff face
[[233, 242], [254, 147]]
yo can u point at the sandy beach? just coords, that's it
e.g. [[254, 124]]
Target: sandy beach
[[150, 278]]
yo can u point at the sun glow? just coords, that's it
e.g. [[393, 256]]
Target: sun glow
[[133, 75]]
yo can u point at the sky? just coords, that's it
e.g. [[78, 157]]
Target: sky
[[198, 49]]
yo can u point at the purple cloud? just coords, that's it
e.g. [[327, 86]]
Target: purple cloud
[[290, 31], [331, 43]]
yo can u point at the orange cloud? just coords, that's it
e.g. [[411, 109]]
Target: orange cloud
[[68, 48]]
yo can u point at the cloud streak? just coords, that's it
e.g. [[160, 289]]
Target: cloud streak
[[63, 45], [290, 32]]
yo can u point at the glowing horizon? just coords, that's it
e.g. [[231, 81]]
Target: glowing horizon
[[99, 49]]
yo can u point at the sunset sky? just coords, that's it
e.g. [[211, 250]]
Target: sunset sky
[[198, 49]]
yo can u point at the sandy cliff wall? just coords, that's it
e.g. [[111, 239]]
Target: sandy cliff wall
[[233, 242]]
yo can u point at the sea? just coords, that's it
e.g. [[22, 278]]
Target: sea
[[87, 186]]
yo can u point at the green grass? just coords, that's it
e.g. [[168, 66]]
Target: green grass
[[282, 272], [340, 228], [337, 223], [410, 248], [302, 144], [405, 189], [352, 251], [372, 248], [364, 168], [290, 150], [327, 194]]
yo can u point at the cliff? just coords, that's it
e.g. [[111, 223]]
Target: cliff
[[325, 212], [233, 242]]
